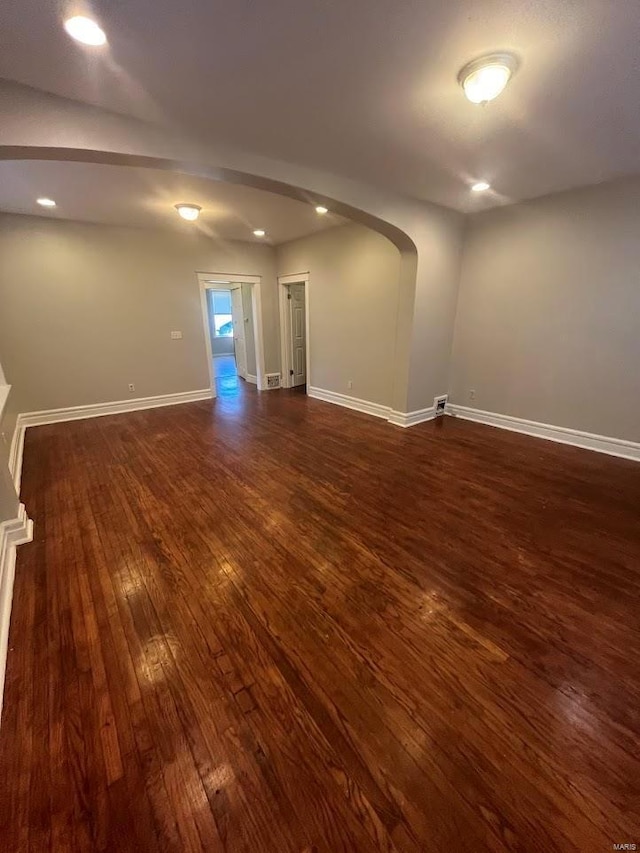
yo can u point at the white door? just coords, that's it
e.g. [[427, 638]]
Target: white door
[[238, 332], [298, 327]]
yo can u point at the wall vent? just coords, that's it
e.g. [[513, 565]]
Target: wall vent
[[439, 404], [273, 380]]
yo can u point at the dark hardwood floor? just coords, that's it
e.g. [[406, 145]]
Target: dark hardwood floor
[[270, 624]]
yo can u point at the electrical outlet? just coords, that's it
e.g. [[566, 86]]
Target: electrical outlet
[[176, 336], [132, 387], [472, 394], [349, 384]]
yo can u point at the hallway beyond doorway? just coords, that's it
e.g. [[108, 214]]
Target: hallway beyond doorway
[[225, 371]]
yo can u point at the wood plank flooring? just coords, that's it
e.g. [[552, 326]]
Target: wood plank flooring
[[266, 623]]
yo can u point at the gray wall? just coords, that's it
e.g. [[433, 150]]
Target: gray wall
[[222, 346], [548, 321], [353, 304], [86, 309]]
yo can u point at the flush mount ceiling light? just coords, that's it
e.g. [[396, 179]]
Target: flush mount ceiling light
[[46, 202], [321, 209], [485, 77], [190, 212], [259, 232], [85, 30], [480, 187]]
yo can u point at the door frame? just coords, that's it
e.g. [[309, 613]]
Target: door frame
[[217, 281], [285, 340]]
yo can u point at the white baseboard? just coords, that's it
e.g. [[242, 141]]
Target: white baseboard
[[15, 455], [15, 532], [402, 419], [563, 435], [96, 410], [354, 403], [251, 378], [407, 419]]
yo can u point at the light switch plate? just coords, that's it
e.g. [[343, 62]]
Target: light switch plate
[[175, 336]]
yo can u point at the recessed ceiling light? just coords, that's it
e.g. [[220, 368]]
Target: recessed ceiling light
[[46, 202], [190, 212], [259, 232], [85, 30], [480, 187], [321, 209], [484, 78]]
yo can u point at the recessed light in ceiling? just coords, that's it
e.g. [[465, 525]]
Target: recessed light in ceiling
[[46, 202], [259, 232], [480, 187], [85, 30], [321, 209], [190, 212], [484, 78]]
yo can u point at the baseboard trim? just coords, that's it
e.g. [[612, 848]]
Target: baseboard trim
[[347, 402], [117, 407], [401, 419], [408, 419], [14, 532], [251, 378], [16, 452], [562, 435]]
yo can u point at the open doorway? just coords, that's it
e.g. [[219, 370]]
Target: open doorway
[[222, 333], [294, 330], [232, 317]]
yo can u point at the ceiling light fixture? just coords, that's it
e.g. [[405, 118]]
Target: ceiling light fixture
[[484, 78], [85, 30], [46, 202], [321, 209], [480, 187], [190, 212], [259, 232]]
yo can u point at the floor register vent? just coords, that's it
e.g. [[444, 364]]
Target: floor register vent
[[439, 404]]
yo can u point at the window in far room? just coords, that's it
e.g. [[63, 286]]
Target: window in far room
[[222, 318]]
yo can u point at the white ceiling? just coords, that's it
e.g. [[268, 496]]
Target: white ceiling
[[362, 89], [122, 195]]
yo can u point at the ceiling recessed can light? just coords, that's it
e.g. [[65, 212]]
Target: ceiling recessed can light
[[190, 212], [85, 30], [485, 77], [259, 232], [321, 209], [480, 187], [46, 202]]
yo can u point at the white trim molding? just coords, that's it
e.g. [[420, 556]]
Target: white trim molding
[[117, 407], [354, 403], [283, 282], [224, 281], [251, 378], [401, 419], [16, 452], [408, 419], [563, 435], [4, 394], [16, 531]]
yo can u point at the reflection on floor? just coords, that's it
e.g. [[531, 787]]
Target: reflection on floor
[[226, 373], [268, 624]]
